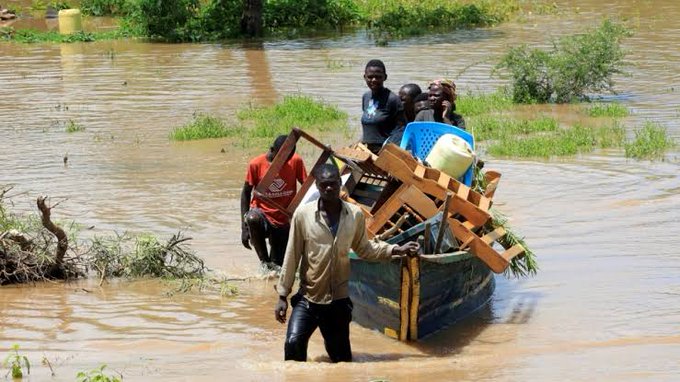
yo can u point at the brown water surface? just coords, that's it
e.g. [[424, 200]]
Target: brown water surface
[[605, 305]]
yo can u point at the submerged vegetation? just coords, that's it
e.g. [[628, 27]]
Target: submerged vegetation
[[502, 129], [612, 110], [96, 375], [36, 248], [651, 142], [203, 126], [16, 363], [573, 67], [266, 121]]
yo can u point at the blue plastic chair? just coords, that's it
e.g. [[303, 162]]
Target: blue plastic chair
[[420, 137]]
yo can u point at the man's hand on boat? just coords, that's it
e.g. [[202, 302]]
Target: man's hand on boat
[[280, 310], [409, 249]]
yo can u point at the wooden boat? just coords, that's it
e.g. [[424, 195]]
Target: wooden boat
[[410, 298]]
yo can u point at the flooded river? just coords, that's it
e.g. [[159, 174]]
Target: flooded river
[[605, 305]]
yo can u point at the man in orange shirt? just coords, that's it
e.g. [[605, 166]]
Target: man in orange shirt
[[260, 220]]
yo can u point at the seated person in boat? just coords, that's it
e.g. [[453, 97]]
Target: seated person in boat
[[383, 114], [421, 102], [408, 93], [442, 94], [322, 233], [261, 220]]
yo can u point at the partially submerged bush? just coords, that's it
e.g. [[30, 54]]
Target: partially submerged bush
[[310, 14], [651, 142], [144, 256], [574, 66]]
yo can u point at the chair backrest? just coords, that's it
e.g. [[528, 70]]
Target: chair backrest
[[420, 137]]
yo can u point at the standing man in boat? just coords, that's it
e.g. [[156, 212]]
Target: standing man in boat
[[322, 234], [260, 220]]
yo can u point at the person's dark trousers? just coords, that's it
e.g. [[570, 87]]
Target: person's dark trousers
[[332, 319]]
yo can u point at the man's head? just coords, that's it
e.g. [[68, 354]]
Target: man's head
[[375, 74], [328, 181], [421, 102], [276, 146]]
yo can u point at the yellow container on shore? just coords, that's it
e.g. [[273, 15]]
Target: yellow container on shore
[[70, 21]]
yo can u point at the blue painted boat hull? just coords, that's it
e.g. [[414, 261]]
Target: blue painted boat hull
[[451, 287]]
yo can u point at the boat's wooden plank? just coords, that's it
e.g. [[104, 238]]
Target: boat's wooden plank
[[405, 295], [484, 251], [397, 168], [414, 269]]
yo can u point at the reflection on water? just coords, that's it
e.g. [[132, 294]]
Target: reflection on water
[[603, 307]]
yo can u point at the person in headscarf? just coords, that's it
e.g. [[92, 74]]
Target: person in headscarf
[[442, 96]]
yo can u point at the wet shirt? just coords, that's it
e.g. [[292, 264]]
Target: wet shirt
[[381, 114], [322, 257], [428, 116], [282, 190]]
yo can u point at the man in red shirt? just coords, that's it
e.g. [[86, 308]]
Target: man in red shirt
[[260, 220]]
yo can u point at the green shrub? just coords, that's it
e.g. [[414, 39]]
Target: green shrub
[[16, 363], [651, 142], [203, 126], [613, 110], [105, 7], [166, 19], [310, 13], [574, 66]]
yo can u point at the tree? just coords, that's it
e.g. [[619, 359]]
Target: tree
[[251, 21]]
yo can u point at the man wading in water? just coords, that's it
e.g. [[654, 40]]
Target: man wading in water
[[321, 236], [260, 219]]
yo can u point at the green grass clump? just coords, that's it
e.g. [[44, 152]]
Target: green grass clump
[[203, 126], [651, 142], [295, 111], [575, 140], [31, 36], [74, 127], [497, 127], [471, 104], [613, 110]]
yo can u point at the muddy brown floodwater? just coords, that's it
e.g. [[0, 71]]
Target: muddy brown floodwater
[[605, 305]]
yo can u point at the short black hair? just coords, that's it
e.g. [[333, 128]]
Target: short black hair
[[412, 89], [326, 168], [376, 64], [278, 142], [421, 97]]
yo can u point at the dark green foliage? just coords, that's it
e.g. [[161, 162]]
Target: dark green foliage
[[30, 36], [105, 7], [310, 13], [170, 20], [574, 66]]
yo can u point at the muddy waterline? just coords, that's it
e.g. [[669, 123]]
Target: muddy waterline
[[605, 305]]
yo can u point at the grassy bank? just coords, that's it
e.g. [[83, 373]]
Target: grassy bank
[[212, 20], [254, 123]]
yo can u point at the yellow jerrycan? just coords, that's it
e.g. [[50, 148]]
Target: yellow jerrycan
[[451, 155]]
